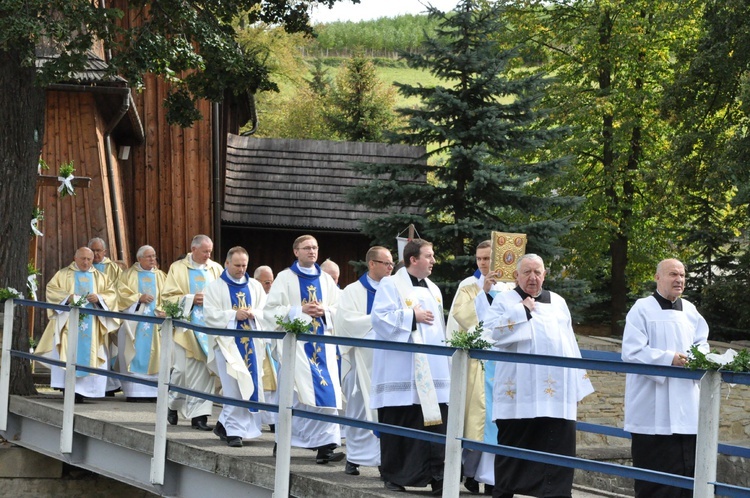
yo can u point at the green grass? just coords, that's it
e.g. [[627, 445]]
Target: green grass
[[408, 76]]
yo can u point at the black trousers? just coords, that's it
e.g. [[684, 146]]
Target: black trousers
[[551, 435], [673, 454], [411, 462]]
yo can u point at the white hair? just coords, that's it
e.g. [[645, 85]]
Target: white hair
[[198, 240], [260, 270], [533, 256], [142, 250], [97, 239]]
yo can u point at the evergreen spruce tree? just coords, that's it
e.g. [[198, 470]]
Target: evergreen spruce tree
[[360, 104], [320, 81], [488, 169]]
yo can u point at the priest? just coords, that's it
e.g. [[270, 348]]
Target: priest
[[102, 262], [235, 301], [186, 280], [411, 389], [353, 320], [139, 293], [534, 406], [661, 413], [478, 467], [305, 292], [80, 283]]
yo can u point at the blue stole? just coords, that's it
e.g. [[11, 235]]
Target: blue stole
[[310, 291], [477, 274], [370, 292], [490, 428], [198, 280], [100, 267], [84, 284], [241, 298], [144, 332]]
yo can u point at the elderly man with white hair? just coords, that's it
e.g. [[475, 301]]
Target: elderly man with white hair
[[534, 406], [186, 281], [101, 262], [139, 293]]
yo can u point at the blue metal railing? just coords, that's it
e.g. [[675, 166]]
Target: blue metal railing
[[591, 360]]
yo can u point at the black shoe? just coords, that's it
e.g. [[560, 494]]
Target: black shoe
[[392, 486], [234, 441], [472, 485], [272, 427], [79, 399], [437, 487], [172, 416], [351, 468], [326, 454], [220, 431], [139, 400], [200, 423], [274, 450], [488, 489]]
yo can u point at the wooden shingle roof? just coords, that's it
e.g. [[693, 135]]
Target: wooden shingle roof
[[286, 183]]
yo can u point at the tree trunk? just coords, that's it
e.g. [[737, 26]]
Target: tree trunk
[[22, 106]]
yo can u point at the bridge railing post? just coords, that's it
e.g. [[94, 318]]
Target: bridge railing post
[[69, 398], [707, 440], [159, 459], [455, 424], [284, 423], [5, 363]]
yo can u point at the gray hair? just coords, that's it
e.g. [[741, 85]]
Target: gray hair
[[261, 269], [141, 250], [97, 239], [199, 239], [533, 256]]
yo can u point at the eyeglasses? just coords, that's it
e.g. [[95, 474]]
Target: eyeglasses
[[310, 248], [386, 263]]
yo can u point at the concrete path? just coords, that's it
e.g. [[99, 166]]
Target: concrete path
[[133, 425]]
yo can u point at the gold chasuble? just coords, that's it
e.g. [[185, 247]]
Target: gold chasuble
[[465, 314], [58, 289]]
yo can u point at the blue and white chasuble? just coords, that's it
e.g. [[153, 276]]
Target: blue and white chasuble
[[86, 325], [198, 279], [242, 298], [144, 332], [324, 388]]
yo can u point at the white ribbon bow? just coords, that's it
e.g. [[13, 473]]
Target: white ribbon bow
[[65, 184]]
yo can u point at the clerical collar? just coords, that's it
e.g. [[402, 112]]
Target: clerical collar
[[238, 280], [196, 265], [373, 283], [416, 282], [140, 268], [666, 304], [310, 270], [543, 297]]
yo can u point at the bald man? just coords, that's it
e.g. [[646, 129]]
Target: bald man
[[661, 413], [80, 280]]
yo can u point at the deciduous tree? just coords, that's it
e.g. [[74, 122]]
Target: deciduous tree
[[171, 38]]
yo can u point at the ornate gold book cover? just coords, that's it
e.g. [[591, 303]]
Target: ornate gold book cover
[[506, 249]]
